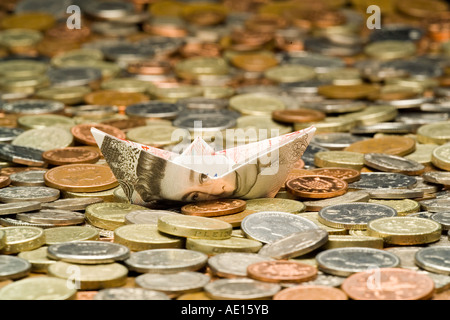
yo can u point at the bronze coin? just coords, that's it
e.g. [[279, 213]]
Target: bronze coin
[[357, 91], [4, 181], [82, 132], [70, 155], [298, 115], [281, 271], [394, 145], [214, 208], [389, 284], [346, 174], [316, 187], [311, 292], [124, 124], [81, 178]]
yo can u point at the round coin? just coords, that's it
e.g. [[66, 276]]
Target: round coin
[[22, 238], [275, 204], [342, 159], [311, 292], [437, 177], [79, 204], [38, 259], [81, 178], [109, 215], [82, 132], [146, 216], [21, 155], [241, 289], [346, 261], [298, 115], [390, 163], [383, 180], [70, 155], [346, 174], [44, 139], [52, 216], [214, 208], [28, 178], [233, 244], [59, 235], [393, 145], [281, 271], [354, 215], [13, 268], [420, 286], [434, 259], [438, 133], [38, 288], [349, 197], [440, 157], [20, 194], [129, 294], [139, 237], [88, 252], [316, 187], [18, 207], [269, 226], [233, 264], [443, 218]]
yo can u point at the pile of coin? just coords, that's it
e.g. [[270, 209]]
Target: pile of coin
[[364, 213]]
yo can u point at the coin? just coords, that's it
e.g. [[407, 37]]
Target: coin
[[241, 289], [295, 245], [443, 218], [71, 204], [233, 264], [88, 252], [310, 292], [18, 207], [436, 205], [13, 267], [81, 178], [82, 132], [437, 177], [393, 145], [390, 163], [405, 230], [70, 155], [28, 178], [314, 217], [20, 194], [342, 159], [256, 104], [433, 259], [437, 133], [383, 180], [361, 286], [235, 219], [109, 215], [20, 239], [298, 115], [173, 284], [38, 259], [194, 227], [316, 187], [44, 139], [9, 134], [139, 237], [38, 288], [346, 261], [214, 207], [21, 155], [146, 216], [346, 174], [281, 271], [359, 91], [4, 181], [349, 197], [269, 226], [52, 216], [403, 207], [354, 215], [274, 204], [58, 235], [384, 193], [440, 157], [344, 241], [233, 244], [90, 277], [129, 294]]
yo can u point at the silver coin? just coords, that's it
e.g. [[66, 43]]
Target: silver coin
[[73, 76], [74, 204], [269, 226], [241, 289], [437, 177], [38, 259], [10, 222], [28, 178], [309, 154], [44, 139], [127, 52], [205, 122], [335, 140], [397, 32], [434, 259], [422, 214], [21, 155], [108, 9], [146, 216], [354, 215], [173, 284], [154, 109], [233, 264], [13, 268], [18, 207], [295, 245], [394, 193], [346, 261], [389, 163], [338, 106], [441, 281], [20, 194], [56, 8], [383, 180], [436, 205], [31, 106], [320, 63], [322, 279], [349, 197], [384, 127], [202, 103], [426, 187], [52, 216], [443, 218], [8, 134], [406, 255], [166, 261], [88, 252], [130, 294], [113, 28]]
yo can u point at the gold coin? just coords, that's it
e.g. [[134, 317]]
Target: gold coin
[[273, 204], [38, 21], [38, 259], [22, 238], [422, 154], [403, 207], [138, 237], [373, 115], [125, 85], [438, 133], [19, 38], [290, 73], [66, 95], [343, 241], [390, 49], [330, 124], [90, 277], [314, 217], [343, 159], [106, 196], [38, 288], [194, 227], [22, 68], [196, 67], [441, 157], [173, 94], [358, 91], [153, 135], [44, 121], [69, 233], [256, 104], [393, 145], [44, 139], [233, 244], [109, 215], [256, 62], [76, 57], [405, 230]]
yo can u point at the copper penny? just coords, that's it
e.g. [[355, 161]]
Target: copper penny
[[358, 91], [346, 174], [298, 115], [114, 98], [81, 178], [82, 132], [70, 155], [254, 62], [4, 181], [124, 124], [305, 292], [389, 284], [294, 173], [214, 208], [281, 271], [316, 187], [394, 145]]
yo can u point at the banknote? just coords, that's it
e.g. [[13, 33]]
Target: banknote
[[147, 174]]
